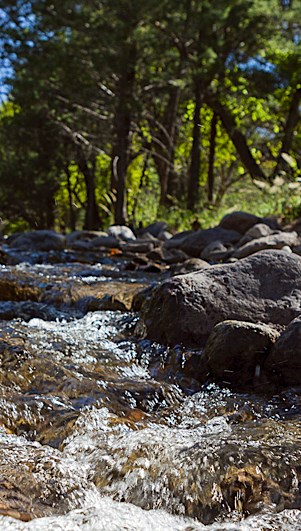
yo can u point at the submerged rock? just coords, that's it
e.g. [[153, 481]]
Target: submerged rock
[[265, 287]]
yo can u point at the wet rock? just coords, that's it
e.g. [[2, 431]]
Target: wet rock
[[103, 295], [39, 240], [195, 242], [38, 483], [245, 489], [107, 302], [274, 241], [141, 297], [236, 352], [193, 264], [284, 360], [264, 287], [239, 221], [196, 366], [19, 286], [122, 233], [27, 310]]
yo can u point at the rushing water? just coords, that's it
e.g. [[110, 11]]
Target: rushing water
[[100, 430]]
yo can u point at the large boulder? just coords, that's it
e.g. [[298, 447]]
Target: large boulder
[[284, 361], [265, 287], [274, 241], [195, 242], [239, 221], [243, 221], [236, 351], [39, 240]]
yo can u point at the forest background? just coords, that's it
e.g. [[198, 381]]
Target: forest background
[[127, 111]]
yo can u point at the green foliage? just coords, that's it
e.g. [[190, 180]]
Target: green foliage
[[102, 102]]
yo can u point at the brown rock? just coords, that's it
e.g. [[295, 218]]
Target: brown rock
[[265, 287], [236, 351]]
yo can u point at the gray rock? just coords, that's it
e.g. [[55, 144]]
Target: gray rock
[[154, 229], [193, 264], [121, 232], [257, 231], [264, 287], [172, 256], [236, 352], [215, 252], [284, 360], [274, 241], [297, 249], [286, 249], [138, 246], [239, 221], [39, 240], [104, 241], [148, 236], [76, 238], [164, 235], [196, 241]]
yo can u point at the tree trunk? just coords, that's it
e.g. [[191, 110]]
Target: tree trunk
[[212, 157], [72, 224], [195, 157], [163, 144], [49, 212], [92, 219], [122, 127], [291, 122], [237, 138]]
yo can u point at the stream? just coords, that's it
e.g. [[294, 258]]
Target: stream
[[103, 430]]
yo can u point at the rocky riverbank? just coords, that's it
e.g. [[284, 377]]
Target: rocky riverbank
[[191, 406]]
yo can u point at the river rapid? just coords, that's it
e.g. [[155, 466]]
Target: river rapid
[[103, 430]]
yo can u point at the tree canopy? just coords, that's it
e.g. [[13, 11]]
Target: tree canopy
[[117, 109]]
